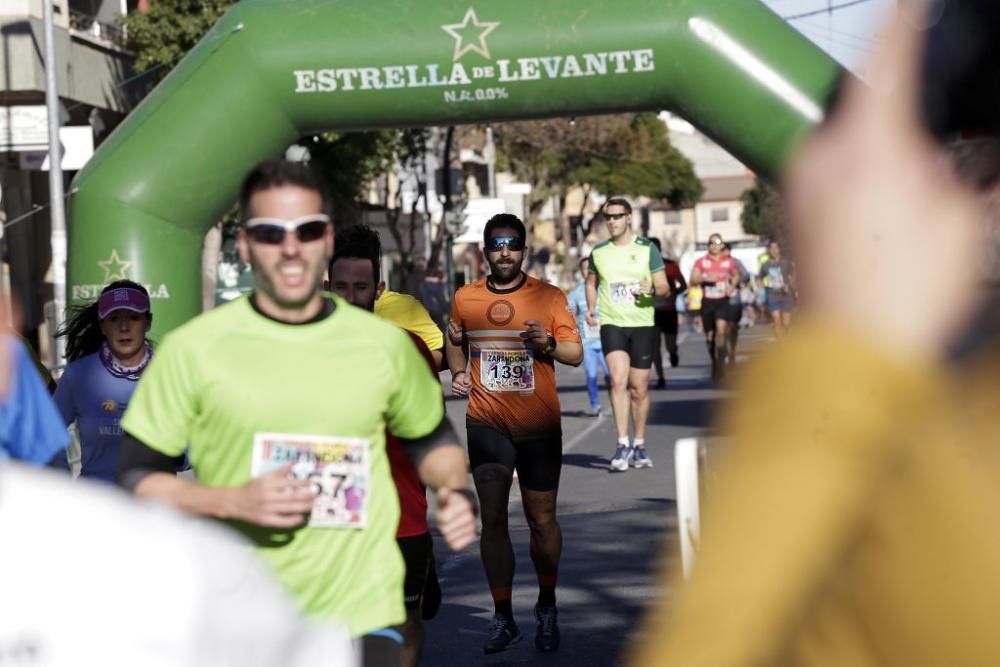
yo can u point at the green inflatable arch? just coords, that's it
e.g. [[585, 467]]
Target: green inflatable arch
[[273, 70]]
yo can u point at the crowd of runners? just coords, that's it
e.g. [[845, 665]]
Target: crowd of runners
[[291, 439], [308, 416]]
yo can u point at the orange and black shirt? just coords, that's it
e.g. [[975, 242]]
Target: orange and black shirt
[[513, 388]]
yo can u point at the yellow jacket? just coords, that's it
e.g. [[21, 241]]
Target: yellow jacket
[[855, 519]]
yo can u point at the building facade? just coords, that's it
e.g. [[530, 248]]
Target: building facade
[[92, 66]]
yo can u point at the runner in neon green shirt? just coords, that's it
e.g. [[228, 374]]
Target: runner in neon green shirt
[[627, 274], [281, 400]]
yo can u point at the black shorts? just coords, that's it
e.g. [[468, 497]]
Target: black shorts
[[537, 459], [735, 313], [666, 321], [418, 554], [713, 310], [638, 342]]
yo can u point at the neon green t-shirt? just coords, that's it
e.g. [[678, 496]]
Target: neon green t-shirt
[[619, 270], [246, 394]]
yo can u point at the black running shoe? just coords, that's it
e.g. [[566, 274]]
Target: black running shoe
[[503, 634], [547, 631]]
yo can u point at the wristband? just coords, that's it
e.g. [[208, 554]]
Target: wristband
[[455, 375]]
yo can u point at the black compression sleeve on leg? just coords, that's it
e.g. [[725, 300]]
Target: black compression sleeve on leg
[[443, 435], [138, 460]]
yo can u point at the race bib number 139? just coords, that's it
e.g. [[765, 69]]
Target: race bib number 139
[[507, 370]]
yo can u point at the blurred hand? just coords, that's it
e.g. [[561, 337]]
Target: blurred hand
[[461, 384], [884, 233], [535, 337], [274, 500], [456, 519], [591, 319], [645, 287]]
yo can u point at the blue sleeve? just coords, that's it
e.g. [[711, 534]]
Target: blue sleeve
[[31, 429], [63, 397]]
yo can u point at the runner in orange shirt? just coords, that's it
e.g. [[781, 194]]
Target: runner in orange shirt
[[513, 328]]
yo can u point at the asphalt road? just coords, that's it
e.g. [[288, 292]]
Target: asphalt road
[[618, 528]]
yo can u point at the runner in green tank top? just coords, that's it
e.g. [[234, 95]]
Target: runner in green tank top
[[628, 273]]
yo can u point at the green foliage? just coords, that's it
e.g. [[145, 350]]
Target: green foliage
[[626, 154], [161, 37], [763, 211]]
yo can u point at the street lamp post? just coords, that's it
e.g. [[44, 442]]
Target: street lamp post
[[57, 208]]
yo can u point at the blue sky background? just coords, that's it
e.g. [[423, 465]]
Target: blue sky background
[[847, 33]]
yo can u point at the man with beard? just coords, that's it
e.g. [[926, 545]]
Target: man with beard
[[627, 275], [355, 276], [272, 388], [514, 328]]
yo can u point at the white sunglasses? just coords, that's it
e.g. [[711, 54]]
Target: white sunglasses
[[271, 231]]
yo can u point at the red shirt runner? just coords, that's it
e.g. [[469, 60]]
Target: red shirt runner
[[717, 270], [412, 494]]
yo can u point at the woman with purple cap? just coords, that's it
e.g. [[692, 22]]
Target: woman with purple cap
[[107, 348]]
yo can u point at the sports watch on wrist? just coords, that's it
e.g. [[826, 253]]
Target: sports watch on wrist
[[550, 345]]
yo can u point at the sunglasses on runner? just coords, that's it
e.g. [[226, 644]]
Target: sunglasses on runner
[[615, 216], [271, 231], [512, 243]]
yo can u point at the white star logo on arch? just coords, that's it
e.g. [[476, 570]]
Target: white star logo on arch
[[471, 24]]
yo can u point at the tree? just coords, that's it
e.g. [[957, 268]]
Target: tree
[[625, 154], [160, 37], [763, 211]]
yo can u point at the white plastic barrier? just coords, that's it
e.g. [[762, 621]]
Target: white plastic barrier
[[687, 456]]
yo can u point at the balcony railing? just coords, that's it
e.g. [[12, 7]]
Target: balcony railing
[[108, 33]]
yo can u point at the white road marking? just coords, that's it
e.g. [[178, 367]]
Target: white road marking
[[578, 438]]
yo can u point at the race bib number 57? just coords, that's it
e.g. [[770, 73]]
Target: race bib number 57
[[338, 468], [507, 370]]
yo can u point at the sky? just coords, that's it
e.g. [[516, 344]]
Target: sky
[[847, 33]]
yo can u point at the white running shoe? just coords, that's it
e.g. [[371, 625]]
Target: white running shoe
[[620, 460], [640, 459]]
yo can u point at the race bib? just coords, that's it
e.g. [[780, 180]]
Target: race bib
[[591, 331], [775, 278], [716, 291], [625, 291], [507, 370], [338, 468]]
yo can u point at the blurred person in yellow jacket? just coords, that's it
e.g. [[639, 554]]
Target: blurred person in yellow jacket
[[855, 517]]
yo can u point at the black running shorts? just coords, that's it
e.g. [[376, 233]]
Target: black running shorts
[[666, 321], [418, 552], [638, 342], [713, 310], [537, 459]]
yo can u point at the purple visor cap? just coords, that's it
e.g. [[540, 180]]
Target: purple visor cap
[[122, 298]]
